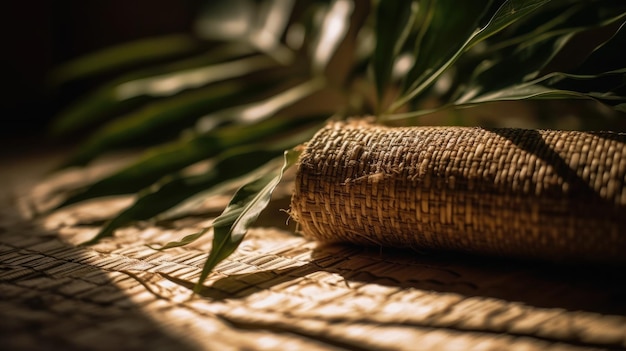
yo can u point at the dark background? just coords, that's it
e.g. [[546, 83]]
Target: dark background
[[38, 35]]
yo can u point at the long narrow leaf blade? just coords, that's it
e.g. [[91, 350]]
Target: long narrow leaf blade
[[174, 82], [245, 207], [195, 202], [155, 201], [449, 26], [500, 74], [609, 55], [556, 85], [510, 12], [255, 111], [393, 18], [160, 161], [105, 101], [533, 55], [539, 89], [124, 56], [167, 117]]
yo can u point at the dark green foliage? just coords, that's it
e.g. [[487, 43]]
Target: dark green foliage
[[238, 99], [394, 20], [245, 207]]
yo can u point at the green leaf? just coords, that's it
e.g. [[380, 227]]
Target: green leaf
[[259, 110], [394, 20], [106, 102], [149, 168], [167, 117], [609, 55], [449, 25], [288, 140], [244, 208], [162, 160], [124, 56], [535, 49], [497, 74], [182, 111], [531, 57], [161, 197], [523, 91], [510, 12], [174, 82], [538, 89], [561, 18]]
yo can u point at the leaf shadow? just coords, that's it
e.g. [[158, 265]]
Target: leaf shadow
[[592, 288], [54, 297], [532, 142]]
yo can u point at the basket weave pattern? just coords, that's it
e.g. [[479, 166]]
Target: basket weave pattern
[[510, 192]]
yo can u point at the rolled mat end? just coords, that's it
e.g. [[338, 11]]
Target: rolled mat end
[[555, 195]]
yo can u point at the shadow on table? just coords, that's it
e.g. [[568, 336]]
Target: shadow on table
[[600, 289], [52, 298]]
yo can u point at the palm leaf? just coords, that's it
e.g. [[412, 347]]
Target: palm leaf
[[106, 102], [248, 202], [486, 51], [449, 25], [510, 12], [499, 83], [394, 20], [126, 55], [165, 118], [160, 161], [171, 192]]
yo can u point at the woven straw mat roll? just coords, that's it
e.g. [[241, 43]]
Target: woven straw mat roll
[[553, 195]]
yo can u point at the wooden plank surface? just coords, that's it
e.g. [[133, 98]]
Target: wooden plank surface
[[281, 292]]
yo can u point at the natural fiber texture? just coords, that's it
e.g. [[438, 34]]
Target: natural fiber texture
[[510, 192], [277, 292]]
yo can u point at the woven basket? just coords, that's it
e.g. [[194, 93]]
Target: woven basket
[[553, 195]]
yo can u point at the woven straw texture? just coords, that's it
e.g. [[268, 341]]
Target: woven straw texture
[[518, 193], [277, 292]]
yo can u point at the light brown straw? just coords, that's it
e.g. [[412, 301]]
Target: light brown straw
[[510, 192]]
